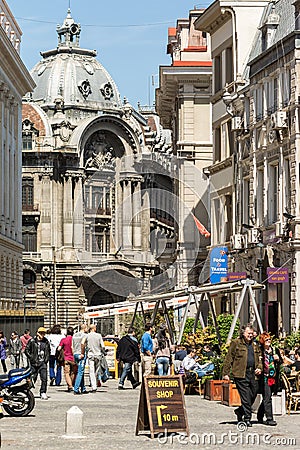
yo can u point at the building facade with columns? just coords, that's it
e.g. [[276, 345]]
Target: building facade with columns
[[183, 104], [97, 183], [15, 81], [256, 155]]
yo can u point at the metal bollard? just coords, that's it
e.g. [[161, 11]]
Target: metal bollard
[[74, 423]]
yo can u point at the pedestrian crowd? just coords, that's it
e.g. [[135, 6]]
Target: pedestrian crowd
[[253, 363], [58, 351]]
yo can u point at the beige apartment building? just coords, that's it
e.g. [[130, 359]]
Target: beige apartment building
[[15, 81], [183, 104], [255, 173]]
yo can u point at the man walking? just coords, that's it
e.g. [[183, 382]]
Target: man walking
[[147, 349], [80, 360], [94, 346], [128, 352], [245, 360], [38, 352]]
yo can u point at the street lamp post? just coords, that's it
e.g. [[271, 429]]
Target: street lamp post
[[24, 306], [54, 285], [260, 265]]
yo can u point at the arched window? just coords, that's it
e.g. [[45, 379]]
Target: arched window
[[29, 279]]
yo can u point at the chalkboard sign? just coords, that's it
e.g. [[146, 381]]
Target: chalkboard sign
[[162, 406]]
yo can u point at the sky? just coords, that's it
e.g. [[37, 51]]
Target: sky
[[130, 36]]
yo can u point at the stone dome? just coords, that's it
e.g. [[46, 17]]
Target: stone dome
[[74, 74]]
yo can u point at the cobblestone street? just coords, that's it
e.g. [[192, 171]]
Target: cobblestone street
[[110, 419]]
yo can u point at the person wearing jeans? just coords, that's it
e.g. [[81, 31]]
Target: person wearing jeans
[[128, 352], [94, 346], [55, 368], [80, 360], [162, 351]]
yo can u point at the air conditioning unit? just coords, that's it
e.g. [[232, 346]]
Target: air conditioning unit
[[236, 123], [279, 229], [253, 236], [238, 241], [278, 120]]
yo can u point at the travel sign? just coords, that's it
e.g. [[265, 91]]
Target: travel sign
[[218, 265]]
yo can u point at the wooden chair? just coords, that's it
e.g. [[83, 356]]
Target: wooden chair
[[198, 384], [292, 398]]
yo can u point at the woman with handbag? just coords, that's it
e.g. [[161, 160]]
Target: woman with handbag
[[269, 379]]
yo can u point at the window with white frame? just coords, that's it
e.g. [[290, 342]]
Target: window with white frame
[[216, 220], [285, 87], [273, 194], [258, 99], [260, 197], [287, 185], [218, 84], [246, 201], [217, 146]]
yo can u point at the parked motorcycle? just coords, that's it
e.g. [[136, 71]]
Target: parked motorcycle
[[16, 397]]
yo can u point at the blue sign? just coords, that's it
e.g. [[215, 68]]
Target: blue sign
[[218, 264]]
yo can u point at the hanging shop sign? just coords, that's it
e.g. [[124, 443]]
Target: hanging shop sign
[[236, 276], [278, 274], [218, 264]]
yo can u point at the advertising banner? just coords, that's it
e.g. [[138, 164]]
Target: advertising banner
[[218, 265]]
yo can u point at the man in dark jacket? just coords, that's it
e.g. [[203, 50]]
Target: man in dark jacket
[[244, 359], [128, 352], [38, 352]]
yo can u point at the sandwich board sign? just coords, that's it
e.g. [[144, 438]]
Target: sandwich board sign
[[162, 406]]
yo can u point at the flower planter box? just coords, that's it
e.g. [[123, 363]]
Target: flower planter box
[[213, 390], [230, 395]]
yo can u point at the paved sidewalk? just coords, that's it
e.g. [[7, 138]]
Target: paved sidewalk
[[110, 420]]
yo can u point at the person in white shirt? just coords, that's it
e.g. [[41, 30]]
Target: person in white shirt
[[93, 344], [190, 363]]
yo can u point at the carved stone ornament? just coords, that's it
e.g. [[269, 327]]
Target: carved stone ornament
[[85, 88], [107, 91], [65, 131], [99, 153], [46, 273]]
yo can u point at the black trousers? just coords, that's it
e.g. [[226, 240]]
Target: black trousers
[[265, 408], [247, 388], [42, 371]]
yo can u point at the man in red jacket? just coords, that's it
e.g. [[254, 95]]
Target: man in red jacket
[[128, 352]]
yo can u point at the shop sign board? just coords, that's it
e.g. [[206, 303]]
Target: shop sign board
[[162, 406]]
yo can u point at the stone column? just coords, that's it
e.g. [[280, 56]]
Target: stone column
[[2, 178], [7, 176], [127, 214], [78, 213], [68, 211], [45, 205], [136, 215]]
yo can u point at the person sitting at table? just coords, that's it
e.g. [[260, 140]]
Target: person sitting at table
[[286, 361], [297, 360], [190, 363]]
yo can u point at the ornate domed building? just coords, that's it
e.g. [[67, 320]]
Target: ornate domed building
[[97, 183]]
